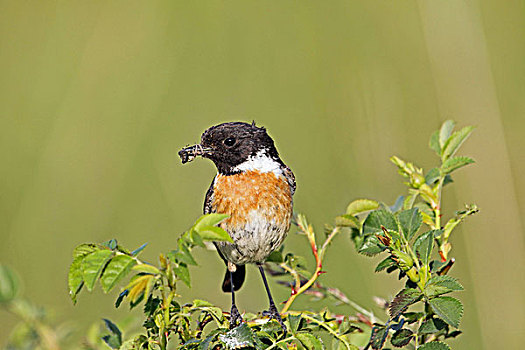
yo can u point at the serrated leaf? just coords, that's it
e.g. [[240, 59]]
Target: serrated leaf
[[403, 300], [239, 337], [445, 132], [401, 337], [214, 233], [454, 163], [111, 244], [201, 303], [74, 279], [454, 142], [378, 218], [146, 268], [182, 272], [209, 220], [137, 288], [8, 284], [309, 341], [438, 285], [432, 176], [347, 220], [431, 326], [410, 221], [85, 249], [92, 266], [114, 339], [361, 205], [378, 337], [448, 308], [370, 246], [434, 345], [182, 255], [387, 262], [424, 248], [294, 322], [434, 142], [115, 270]]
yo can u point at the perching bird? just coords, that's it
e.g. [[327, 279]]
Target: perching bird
[[255, 188]]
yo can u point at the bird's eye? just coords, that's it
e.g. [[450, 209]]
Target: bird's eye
[[230, 141]]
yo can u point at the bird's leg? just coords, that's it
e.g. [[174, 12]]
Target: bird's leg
[[235, 316], [272, 312]]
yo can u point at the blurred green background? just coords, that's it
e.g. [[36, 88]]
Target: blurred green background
[[97, 97]]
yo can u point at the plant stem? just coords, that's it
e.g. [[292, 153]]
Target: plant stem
[[325, 326], [274, 345], [319, 265]]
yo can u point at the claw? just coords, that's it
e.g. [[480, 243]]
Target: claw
[[235, 317], [274, 314]]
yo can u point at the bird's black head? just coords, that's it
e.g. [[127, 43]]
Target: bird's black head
[[229, 145]]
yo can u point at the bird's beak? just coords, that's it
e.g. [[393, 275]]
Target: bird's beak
[[187, 154]]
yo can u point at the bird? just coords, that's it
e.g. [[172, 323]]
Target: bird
[[255, 189]]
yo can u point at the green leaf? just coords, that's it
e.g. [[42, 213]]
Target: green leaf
[[209, 220], [401, 337], [378, 337], [114, 339], [454, 142], [276, 256], [410, 221], [74, 279], [347, 220], [370, 246], [239, 337], [454, 163], [448, 308], [92, 266], [434, 345], [182, 272], [433, 325], [432, 176], [361, 205], [146, 268], [116, 269], [201, 303], [214, 233], [445, 132], [309, 341], [85, 249], [182, 255], [438, 285], [434, 142], [403, 300], [8, 284], [424, 248], [379, 218], [111, 244], [384, 264], [295, 323]]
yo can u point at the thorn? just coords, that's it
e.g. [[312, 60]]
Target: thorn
[[320, 273], [442, 255]]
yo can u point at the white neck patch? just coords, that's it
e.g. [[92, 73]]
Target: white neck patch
[[260, 162]]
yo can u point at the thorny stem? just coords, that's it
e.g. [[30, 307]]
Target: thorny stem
[[319, 263]]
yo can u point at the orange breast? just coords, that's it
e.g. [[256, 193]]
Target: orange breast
[[240, 194]]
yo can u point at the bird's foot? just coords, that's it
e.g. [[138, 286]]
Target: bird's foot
[[235, 317], [274, 314]]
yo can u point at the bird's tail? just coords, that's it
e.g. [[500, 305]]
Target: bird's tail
[[238, 279]]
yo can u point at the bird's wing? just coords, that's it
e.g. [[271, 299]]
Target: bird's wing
[[207, 201], [290, 177]]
